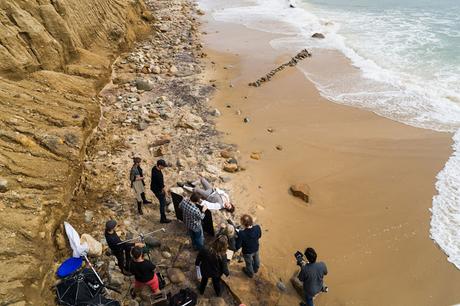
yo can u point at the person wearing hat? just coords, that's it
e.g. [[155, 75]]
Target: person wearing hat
[[136, 177], [120, 250], [157, 185]]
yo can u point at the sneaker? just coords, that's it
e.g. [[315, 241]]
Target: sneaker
[[165, 221], [325, 289]]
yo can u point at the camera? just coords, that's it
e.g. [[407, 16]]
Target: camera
[[299, 258]]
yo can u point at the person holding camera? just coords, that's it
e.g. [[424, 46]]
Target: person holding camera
[[311, 275], [248, 241]]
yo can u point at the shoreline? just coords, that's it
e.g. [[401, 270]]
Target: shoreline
[[352, 151]]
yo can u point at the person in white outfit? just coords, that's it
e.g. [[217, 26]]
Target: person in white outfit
[[214, 198]]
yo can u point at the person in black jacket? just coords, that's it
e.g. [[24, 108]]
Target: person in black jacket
[[157, 185], [120, 250], [248, 240], [213, 263]]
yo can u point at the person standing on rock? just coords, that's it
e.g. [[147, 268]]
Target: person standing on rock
[[248, 240], [122, 251], [311, 275], [136, 176], [157, 185], [192, 219], [213, 263], [143, 271]]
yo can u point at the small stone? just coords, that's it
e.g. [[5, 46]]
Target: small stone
[[227, 154], [270, 130], [301, 191], [166, 255], [216, 113], [176, 276], [152, 242], [89, 216], [3, 185], [173, 69], [155, 69], [281, 286], [142, 126], [255, 155], [230, 167], [318, 35], [145, 85], [246, 120], [279, 147]]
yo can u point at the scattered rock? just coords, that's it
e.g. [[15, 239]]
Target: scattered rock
[[144, 85], [173, 69], [176, 276], [318, 35], [89, 216], [116, 279], [95, 247], [152, 242], [255, 155], [227, 154], [162, 141], [281, 286], [279, 147], [270, 130], [246, 120], [215, 113], [142, 126], [230, 167], [212, 169], [3, 185], [301, 191], [166, 254], [190, 121]]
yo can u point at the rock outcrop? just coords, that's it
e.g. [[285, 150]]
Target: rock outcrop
[[54, 57]]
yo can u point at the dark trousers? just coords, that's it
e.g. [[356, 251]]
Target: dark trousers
[[215, 284], [162, 199], [123, 258]]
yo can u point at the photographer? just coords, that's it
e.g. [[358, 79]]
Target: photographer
[[311, 275]]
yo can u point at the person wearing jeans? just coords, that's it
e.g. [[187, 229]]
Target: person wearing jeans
[[192, 219], [311, 275], [157, 186], [248, 241]]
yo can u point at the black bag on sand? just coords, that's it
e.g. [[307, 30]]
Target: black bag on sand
[[185, 297]]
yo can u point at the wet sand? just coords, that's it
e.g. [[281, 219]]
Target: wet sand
[[371, 179]]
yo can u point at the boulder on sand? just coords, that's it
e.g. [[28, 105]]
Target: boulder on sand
[[301, 191], [318, 35]]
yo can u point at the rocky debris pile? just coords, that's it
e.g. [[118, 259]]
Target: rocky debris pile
[[294, 61]]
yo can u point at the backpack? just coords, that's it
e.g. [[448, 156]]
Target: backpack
[[185, 297]]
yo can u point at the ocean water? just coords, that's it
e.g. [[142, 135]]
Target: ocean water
[[408, 55]]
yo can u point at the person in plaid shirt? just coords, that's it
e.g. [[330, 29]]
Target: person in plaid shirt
[[192, 219]]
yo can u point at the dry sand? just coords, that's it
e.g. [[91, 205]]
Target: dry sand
[[372, 179]]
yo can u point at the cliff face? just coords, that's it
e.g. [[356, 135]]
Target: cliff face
[[54, 56]]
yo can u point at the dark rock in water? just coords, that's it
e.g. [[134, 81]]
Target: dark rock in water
[[318, 35]]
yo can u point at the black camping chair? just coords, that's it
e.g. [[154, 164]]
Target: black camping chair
[[79, 288], [100, 300]]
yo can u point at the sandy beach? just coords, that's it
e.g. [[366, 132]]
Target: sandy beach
[[371, 179]]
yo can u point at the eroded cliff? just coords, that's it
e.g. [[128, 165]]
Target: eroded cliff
[[54, 57]]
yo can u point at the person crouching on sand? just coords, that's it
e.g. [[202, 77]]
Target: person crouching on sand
[[248, 240], [136, 176], [143, 271]]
